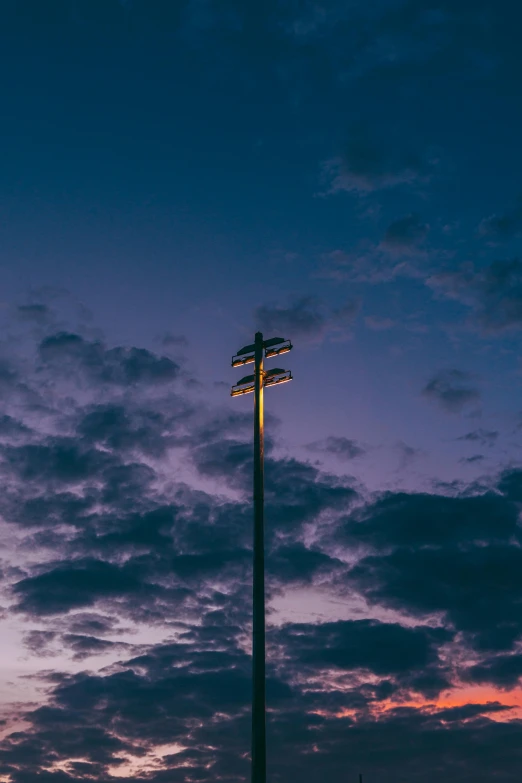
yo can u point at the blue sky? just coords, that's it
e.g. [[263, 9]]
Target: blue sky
[[177, 175]]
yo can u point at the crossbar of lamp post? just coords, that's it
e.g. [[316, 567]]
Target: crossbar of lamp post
[[256, 384]]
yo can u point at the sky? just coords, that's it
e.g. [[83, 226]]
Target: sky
[[177, 175]]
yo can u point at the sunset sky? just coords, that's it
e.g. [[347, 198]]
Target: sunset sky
[[175, 175]]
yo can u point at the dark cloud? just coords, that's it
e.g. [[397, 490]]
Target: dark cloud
[[381, 648], [306, 319], [407, 454], [120, 546], [78, 584], [302, 319], [473, 588], [369, 164], [454, 558], [503, 671], [85, 646], [510, 484], [493, 293], [468, 711], [314, 743], [120, 366], [90, 624], [37, 313], [405, 234], [484, 437], [374, 263], [52, 644], [11, 428], [472, 460], [422, 520], [8, 375], [296, 563], [504, 226], [61, 461], [177, 340], [341, 447], [118, 428], [230, 460], [39, 642], [450, 389]]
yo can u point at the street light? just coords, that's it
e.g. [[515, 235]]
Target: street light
[[256, 383]]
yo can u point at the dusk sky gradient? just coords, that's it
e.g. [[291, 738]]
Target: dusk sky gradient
[[177, 174]]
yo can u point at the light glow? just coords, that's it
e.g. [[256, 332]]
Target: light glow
[[276, 352], [274, 381], [236, 392], [240, 362]]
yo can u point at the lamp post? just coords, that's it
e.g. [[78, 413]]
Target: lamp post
[[256, 352]]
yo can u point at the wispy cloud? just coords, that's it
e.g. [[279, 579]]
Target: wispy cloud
[[307, 318], [369, 163], [492, 292], [484, 437], [496, 228], [451, 390], [338, 446]]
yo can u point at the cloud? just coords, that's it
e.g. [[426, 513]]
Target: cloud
[[110, 540], [451, 558], [423, 520], [89, 623], [115, 427], [378, 262], [484, 437], [11, 428], [78, 584], [295, 492], [472, 460], [493, 294], [503, 670], [300, 565], [400, 253], [450, 389], [60, 461], [84, 646], [302, 319], [121, 366], [407, 454], [502, 227], [405, 235], [341, 447], [176, 340], [369, 163], [39, 642], [385, 649], [37, 313], [306, 319]]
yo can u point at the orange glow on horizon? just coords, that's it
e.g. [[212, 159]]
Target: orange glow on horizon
[[457, 697]]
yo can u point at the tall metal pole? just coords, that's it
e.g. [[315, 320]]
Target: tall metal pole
[[360, 777], [258, 636]]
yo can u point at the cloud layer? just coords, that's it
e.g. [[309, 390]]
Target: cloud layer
[[113, 548]]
